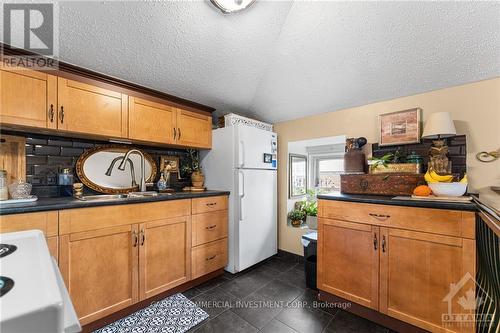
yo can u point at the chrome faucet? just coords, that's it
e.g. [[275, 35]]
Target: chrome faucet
[[143, 171], [132, 171]]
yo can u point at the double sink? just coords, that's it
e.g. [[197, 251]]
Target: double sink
[[107, 197]]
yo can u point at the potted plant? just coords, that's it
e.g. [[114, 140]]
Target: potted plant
[[310, 209], [296, 216], [192, 167]]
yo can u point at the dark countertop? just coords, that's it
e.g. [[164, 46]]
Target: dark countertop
[[387, 200], [45, 204]]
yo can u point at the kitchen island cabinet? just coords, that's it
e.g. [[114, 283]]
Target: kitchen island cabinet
[[398, 261]]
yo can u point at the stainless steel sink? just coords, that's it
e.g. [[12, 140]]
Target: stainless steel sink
[[98, 197], [105, 197]]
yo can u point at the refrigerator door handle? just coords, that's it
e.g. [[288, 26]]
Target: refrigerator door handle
[[241, 192], [241, 154]]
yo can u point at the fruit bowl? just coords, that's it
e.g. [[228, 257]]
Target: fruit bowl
[[448, 189]]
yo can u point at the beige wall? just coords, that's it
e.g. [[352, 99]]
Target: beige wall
[[475, 108]]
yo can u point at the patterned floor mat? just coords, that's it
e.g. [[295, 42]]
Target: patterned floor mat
[[174, 314]]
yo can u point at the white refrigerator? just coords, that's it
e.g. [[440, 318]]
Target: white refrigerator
[[243, 160]]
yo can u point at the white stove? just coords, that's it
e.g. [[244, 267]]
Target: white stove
[[33, 297]]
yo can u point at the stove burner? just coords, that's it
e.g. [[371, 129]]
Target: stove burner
[[6, 249], [6, 285]]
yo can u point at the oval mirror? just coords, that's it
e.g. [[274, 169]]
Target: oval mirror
[[97, 168]]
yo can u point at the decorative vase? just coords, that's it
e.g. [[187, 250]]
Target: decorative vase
[[312, 222], [296, 223], [197, 178]]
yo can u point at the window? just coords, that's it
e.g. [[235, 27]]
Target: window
[[326, 172], [298, 175]]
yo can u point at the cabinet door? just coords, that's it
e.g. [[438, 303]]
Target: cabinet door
[[194, 129], [27, 98], [100, 270], [418, 273], [348, 261], [150, 121], [85, 108], [165, 255]]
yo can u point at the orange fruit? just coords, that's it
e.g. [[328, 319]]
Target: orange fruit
[[422, 191]]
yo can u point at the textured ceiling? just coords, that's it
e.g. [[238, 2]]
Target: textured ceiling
[[282, 60]]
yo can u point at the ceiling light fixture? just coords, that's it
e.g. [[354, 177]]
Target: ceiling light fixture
[[232, 6]]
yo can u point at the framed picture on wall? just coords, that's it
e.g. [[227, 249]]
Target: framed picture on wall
[[297, 173], [400, 128], [169, 164]]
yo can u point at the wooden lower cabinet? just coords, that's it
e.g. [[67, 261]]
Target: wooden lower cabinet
[[416, 273], [47, 222], [349, 261], [164, 255], [209, 257], [100, 269], [418, 277]]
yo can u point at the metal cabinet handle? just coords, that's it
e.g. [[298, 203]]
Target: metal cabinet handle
[[179, 130], [211, 258], [51, 113], [383, 243], [143, 237], [135, 238], [380, 217], [61, 115], [375, 241], [210, 204], [211, 227], [175, 132]]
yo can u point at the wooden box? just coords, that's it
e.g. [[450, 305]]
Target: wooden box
[[381, 184]]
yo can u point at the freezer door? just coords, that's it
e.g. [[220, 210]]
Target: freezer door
[[257, 216], [252, 145]]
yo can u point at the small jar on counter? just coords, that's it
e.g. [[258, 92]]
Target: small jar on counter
[[4, 191]]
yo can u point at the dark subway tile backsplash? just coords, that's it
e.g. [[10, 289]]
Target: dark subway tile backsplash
[[46, 156]]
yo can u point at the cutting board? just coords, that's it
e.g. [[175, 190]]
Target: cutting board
[[13, 157], [463, 199]]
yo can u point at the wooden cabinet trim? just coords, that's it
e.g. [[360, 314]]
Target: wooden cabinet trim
[[92, 218], [90, 88], [47, 222], [437, 221]]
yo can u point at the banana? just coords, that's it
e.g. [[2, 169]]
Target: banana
[[464, 180], [428, 178], [441, 179], [433, 177]]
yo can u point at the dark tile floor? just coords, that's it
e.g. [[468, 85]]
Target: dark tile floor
[[271, 298]]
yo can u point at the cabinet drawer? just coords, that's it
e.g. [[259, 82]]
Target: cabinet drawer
[[438, 221], [209, 204], [208, 227], [44, 221], [209, 257]]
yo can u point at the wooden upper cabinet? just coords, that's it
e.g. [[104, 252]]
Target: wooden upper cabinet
[[417, 271], [194, 129], [85, 108], [151, 121], [348, 263], [164, 255], [28, 98]]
